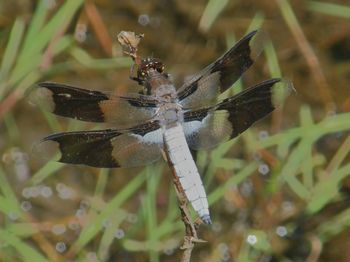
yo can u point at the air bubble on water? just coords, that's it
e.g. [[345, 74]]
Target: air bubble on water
[[13, 215], [64, 191], [225, 256], [281, 231], [287, 207], [246, 188], [84, 204], [168, 251], [224, 251], [252, 239], [222, 247], [66, 194], [46, 191], [80, 213], [143, 19], [256, 156], [61, 247], [26, 205], [106, 223], [132, 218], [22, 171], [26, 192], [263, 134], [20, 161], [119, 234], [34, 191], [264, 169], [58, 229], [16, 154], [73, 225], [80, 32]]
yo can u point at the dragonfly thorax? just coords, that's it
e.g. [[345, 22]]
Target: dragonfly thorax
[[170, 113]]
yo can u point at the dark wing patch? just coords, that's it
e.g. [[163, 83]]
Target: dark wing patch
[[94, 106], [136, 146], [205, 86], [207, 127]]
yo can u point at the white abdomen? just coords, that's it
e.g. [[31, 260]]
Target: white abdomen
[[186, 169]]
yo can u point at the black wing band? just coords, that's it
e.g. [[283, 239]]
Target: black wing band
[[207, 127], [105, 148], [220, 75], [93, 106]]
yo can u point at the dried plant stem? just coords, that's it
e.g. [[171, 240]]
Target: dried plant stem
[[130, 42], [308, 53], [191, 236], [99, 27]]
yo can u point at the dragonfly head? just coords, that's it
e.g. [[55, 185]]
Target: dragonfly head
[[149, 66]]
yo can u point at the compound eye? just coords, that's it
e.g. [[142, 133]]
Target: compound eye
[[160, 69]]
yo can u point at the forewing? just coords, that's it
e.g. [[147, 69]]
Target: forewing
[[93, 106], [207, 127], [204, 87], [132, 147]]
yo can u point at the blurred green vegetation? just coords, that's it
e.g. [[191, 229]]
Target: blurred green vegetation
[[276, 195]]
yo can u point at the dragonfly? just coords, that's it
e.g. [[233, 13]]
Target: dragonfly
[[162, 118]]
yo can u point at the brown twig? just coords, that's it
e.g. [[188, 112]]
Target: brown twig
[[9, 102], [191, 236], [99, 27], [13, 97], [308, 53], [48, 54], [129, 42], [316, 248]]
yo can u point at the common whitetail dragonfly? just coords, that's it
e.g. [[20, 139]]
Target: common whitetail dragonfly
[[161, 117]]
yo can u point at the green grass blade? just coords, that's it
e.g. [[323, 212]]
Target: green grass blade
[[12, 128], [8, 193], [256, 22], [333, 124], [327, 189], [153, 177], [23, 230], [334, 226], [272, 60], [6, 206], [234, 180], [329, 9], [100, 64], [109, 234], [26, 252], [307, 163], [36, 24], [291, 168], [9, 58], [49, 169], [61, 18], [102, 181], [343, 151], [210, 14], [92, 228], [32, 57]]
